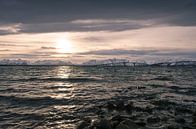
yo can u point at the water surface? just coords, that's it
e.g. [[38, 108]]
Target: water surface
[[61, 96]]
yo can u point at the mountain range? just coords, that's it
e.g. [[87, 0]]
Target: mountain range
[[107, 62]]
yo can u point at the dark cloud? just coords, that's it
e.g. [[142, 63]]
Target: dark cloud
[[72, 26], [99, 39], [4, 32], [24, 11], [4, 50], [190, 54], [119, 52], [122, 52], [48, 48], [57, 15]]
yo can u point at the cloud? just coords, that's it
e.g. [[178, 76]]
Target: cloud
[[94, 39], [119, 52], [67, 10], [10, 29], [123, 52], [4, 50], [93, 15], [83, 25], [190, 53], [38, 54], [48, 48], [32, 55], [11, 44], [111, 21]]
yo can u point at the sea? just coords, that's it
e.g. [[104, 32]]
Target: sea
[[55, 97]]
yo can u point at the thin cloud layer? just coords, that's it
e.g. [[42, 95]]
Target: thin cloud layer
[[116, 52]]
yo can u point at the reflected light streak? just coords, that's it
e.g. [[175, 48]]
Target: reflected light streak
[[65, 89]]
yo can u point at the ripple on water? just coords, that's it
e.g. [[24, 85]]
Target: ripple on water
[[60, 97]]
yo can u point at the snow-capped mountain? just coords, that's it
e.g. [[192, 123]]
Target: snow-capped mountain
[[39, 62], [110, 62], [177, 63], [51, 62], [13, 62], [113, 62], [107, 62], [182, 63]]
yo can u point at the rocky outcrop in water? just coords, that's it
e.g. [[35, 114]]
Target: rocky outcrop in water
[[116, 122], [194, 119], [146, 119]]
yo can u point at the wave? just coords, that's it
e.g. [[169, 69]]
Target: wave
[[74, 79], [22, 90], [33, 101]]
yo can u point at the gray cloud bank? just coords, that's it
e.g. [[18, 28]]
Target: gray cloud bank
[[116, 53], [37, 16]]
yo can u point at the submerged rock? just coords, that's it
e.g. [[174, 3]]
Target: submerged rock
[[83, 125], [142, 124], [129, 107], [120, 118], [99, 124], [120, 105], [111, 106], [180, 120], [104, 124], [127, 124], [122, 126], [172, 127], [164, 118], [153, 120], [141, 87], [182, 110], [114, 124], [163, 104], [194, 119]]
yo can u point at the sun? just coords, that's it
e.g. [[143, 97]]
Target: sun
[[64, 46]]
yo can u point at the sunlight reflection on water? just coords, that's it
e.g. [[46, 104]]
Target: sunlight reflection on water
[[64, 90], [63, 72]]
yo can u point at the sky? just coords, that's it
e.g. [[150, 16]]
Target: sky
[[81, 30]]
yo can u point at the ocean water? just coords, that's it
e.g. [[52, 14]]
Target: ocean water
[[61, 96]]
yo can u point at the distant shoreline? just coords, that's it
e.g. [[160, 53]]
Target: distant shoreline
[[101, 65]]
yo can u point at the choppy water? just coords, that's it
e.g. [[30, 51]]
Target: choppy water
[[61, 96]]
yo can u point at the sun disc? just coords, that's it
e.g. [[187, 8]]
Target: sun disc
[[64, 46]]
